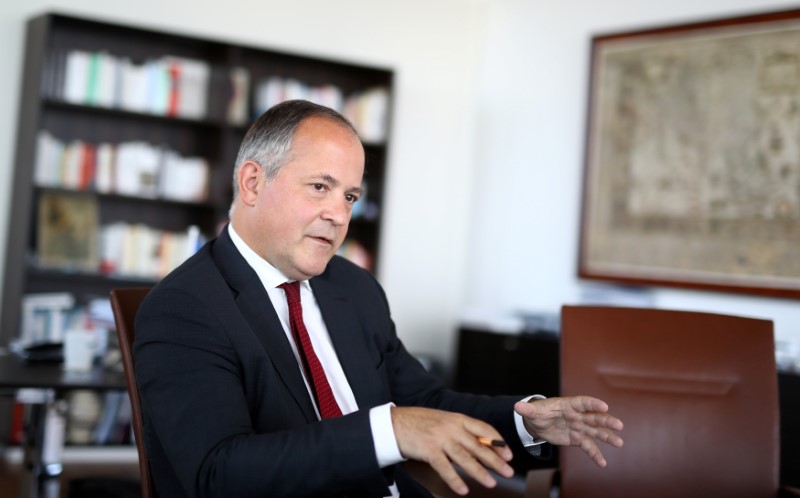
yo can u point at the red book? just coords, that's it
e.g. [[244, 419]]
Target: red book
[[174, 97], [88, 167], [17, 424]]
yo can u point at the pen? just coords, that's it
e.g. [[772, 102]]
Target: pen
[[491, 442]]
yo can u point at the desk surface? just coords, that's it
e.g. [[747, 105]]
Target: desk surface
[[15, 373]]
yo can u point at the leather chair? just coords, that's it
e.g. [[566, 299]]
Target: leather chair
[[697, 393], [125, 303]]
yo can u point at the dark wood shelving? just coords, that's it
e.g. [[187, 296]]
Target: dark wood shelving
[[126, 114], [50, 39]]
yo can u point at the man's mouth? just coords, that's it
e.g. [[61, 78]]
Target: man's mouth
[[323, 240]]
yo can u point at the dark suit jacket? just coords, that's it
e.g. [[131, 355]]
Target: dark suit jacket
[[226, 413]]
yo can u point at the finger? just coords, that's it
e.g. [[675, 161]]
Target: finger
[[493, 457], [602, 420], [588, 446], [588, 404], [470, 466], [609, 437], [445, 469], [479, 429], [525, 409]]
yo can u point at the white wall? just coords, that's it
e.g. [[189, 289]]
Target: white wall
[[434, 46], [487, 141], [531, 120]]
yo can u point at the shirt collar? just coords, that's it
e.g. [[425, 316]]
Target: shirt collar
[[270, 276]]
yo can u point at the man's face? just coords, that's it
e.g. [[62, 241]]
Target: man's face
[[303, 214]]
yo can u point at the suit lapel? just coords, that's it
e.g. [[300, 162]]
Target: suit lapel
[[349, 341], [256, 307]]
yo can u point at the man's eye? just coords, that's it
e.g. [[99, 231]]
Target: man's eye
[[351, 198], [319, 186]]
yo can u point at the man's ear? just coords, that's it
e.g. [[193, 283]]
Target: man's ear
[[250, 174]]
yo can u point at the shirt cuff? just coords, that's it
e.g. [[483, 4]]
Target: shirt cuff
[[528, 441], [386, 449]]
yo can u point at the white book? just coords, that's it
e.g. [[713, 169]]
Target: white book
[[146, 255], [48, 151], [76, 79], [137, 169], [133, 86], [72, 164], [106, 80], [104, 175], [148, 167], [111, 247], [184, 178], [376, 114], [128, 248], [157, 81], [192, 90]]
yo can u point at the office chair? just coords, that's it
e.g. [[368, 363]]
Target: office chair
[[697, 393], [125, 303]]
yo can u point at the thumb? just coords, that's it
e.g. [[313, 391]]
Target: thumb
[[524, 408]]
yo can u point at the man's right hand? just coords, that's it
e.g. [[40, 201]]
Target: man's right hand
[[443, 438]]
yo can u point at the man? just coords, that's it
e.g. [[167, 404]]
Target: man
[[247, 394]]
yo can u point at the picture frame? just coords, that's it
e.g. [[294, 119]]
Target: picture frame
[[67, 231], [692, 160]]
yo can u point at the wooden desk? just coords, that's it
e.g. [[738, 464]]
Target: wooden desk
[[45, 415]]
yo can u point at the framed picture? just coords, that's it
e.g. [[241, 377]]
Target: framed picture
[[67, 231], [692, 168]]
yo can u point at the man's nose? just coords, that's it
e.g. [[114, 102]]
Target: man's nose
[[337, 211]]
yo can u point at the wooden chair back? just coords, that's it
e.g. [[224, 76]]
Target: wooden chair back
[[125, 303], [697, 393]]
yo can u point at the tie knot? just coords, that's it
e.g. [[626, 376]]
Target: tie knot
[[292, 290]]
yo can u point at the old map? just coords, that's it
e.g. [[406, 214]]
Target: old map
[[694, 164]]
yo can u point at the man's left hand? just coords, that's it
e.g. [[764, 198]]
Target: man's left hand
[[577, 421]]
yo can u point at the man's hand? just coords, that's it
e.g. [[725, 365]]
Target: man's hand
[[442, 439], [577, 421]]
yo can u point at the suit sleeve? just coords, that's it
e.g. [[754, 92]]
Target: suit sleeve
[[411, 385], [190, 380]]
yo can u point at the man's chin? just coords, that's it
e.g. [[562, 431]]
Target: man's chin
[[312, 268]]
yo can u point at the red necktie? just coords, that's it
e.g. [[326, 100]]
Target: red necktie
[[328, 407]]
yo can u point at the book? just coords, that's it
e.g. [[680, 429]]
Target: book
[[237, 103], [104, 168], [76, 79], [184, 178], [137, 169], [192, 92], [67, 231]]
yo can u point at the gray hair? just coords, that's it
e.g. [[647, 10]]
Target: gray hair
[[269, 140]]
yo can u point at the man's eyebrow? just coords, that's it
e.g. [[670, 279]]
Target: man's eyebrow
[[328, 179], [334, 182]]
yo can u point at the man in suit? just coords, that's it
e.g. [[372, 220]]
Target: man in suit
[[233, 401]]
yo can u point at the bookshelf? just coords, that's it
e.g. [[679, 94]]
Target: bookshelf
[[125, 146], [126, 142]]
